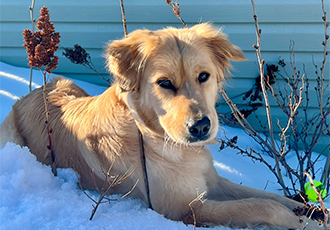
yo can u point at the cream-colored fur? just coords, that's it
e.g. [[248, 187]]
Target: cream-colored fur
[[89, 134]]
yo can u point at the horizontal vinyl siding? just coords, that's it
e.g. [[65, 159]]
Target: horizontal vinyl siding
[[92, 24]]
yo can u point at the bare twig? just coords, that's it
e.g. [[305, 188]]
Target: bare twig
[[264, 143], [109, 182], [124, 17], [47, 119], [33, 20], [326, 172], [263, 87], [199, 198], [319, 197], [325, 52], [176, 10], [262, 76], [293, 103]]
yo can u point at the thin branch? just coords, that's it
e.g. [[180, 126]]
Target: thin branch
[[124, 17], [262, 76], [263, 87], [176, 10], [325, 211], [293, 104], [325, 53], [199, 198], [50, 152], [33, 20], [110, 182]]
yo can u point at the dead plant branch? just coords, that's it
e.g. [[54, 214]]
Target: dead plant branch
[[176, 10], [200, 198], [124, 17], [33, 20], [319, 198], [110, 182], [261, 63]]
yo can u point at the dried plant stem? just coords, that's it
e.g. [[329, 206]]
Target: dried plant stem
[[50, 152], [263, 87], [33, 20], [325, 53], [199, 198], [262, 75], [249, 129], [245, 124], [326, 172], [92, 67], [109, 182], [176, 10], [143, 158], [325, 211], [294, 104], [124, 17], [41, 56]]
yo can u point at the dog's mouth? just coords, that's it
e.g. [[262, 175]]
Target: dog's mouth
[[198, 139], [205, 140]]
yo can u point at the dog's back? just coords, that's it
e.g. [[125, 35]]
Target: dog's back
[[14, 129], [77, 128]]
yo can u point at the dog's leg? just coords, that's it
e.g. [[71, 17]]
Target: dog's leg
[[247, 213], [222, 189], [9, 132]]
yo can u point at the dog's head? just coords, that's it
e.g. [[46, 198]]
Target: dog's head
[[172, 78]]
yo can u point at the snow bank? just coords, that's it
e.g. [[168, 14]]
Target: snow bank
[[32, 198]]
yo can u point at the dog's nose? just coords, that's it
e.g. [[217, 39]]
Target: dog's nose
[[201, 128]]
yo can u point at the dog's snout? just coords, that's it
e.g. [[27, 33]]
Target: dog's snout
[[200, 129]]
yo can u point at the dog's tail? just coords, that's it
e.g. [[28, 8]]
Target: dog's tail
[[9, 132]]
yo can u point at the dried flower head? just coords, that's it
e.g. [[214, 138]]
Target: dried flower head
[[78, 55], [42, 45]]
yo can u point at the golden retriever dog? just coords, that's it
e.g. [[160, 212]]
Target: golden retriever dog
[[166, 86]]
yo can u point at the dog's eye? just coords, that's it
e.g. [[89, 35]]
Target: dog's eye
[[166, 84], [203, 77]]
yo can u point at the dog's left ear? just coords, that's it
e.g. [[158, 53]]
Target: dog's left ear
[[223, 50], [126, 58]]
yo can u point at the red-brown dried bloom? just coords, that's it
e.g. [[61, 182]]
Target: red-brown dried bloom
[[42, 45]]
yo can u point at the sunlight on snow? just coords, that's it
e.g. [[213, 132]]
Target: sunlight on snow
[[7, 94], [226, 168], [17, 78]]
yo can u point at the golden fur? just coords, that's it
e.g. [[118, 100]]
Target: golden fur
[[91, 133]]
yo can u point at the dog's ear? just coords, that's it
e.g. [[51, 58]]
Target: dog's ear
[[223, 50], [126, 58]]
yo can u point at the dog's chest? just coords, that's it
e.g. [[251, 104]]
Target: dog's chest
[[177, 183]]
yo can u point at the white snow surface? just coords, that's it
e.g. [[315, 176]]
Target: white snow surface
[[32, 198]]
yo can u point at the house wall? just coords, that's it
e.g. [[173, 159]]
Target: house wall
[[92, 24]]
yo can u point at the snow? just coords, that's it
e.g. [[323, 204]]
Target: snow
[[32, 198]]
